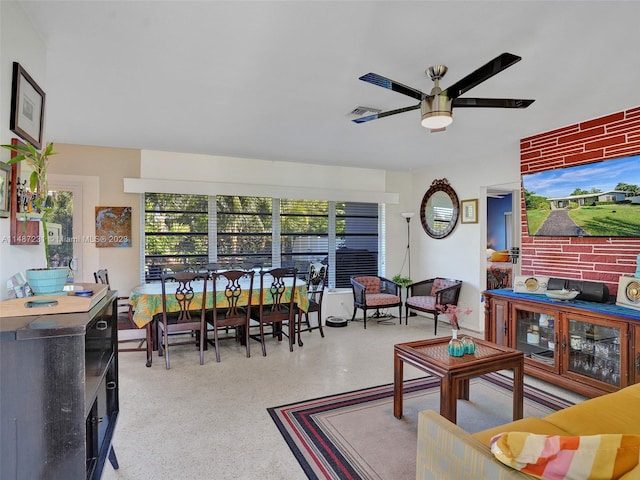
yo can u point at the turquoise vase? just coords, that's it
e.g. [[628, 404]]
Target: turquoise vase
[[456, 347], [469, 345]]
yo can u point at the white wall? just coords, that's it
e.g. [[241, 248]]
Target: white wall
[[100, 171], [232, 170], [461, 254], [19, 42], [210, 175]]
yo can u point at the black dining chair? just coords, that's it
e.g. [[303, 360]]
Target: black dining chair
[[128, 331], [316, 283], [234, 286], [274, 308], [187, 319]]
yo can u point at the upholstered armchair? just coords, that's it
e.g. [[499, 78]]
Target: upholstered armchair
[[375, 292], [425, 295]]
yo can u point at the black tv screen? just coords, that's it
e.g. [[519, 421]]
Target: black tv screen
[[600, 199]]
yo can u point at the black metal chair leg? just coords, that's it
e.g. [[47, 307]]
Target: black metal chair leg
[[320, 323], [112, 458], [149, 329]]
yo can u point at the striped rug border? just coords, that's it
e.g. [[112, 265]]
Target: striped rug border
[[321, 459]]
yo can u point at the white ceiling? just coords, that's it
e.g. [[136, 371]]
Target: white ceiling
[[276, 79]]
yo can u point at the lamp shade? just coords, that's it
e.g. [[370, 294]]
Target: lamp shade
[[436, 112], [407, 214], [436, 120]]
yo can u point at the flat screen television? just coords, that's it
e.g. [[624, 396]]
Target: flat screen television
[[600, 199]]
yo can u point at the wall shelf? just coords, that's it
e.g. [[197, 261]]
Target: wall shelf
[[21, 232]]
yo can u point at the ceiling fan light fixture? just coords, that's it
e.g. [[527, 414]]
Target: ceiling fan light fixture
[[436, 112], [436, 120]]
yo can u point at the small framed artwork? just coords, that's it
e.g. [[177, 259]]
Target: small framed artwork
[[27, 107], [5, 189], [113, 227], [469, 211]]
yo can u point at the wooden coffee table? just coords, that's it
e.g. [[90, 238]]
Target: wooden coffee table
[[432, 357]]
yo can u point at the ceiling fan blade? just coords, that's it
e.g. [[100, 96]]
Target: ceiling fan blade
[[481, 74], [491, 102], [375, 116], [384, 82]]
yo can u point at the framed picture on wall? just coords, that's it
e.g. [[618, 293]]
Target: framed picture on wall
[[27, 107], [469, 210], [113, 227], [5, 189]]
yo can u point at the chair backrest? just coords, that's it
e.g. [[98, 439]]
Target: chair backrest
[[440, 283], [180, 286], [448, 296], [274, 285], [303, 268], [236, 289], [372, 284], [102, 276], [317, 280]]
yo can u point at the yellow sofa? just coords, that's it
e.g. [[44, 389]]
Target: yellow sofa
[[446, 451]]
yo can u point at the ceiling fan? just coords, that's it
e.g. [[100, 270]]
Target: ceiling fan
[[436, 107]]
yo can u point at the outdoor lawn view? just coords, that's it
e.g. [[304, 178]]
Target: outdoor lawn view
[[599, 199]]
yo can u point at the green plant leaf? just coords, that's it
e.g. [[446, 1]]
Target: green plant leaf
[[402, 281], [33, 181], [37, 180]]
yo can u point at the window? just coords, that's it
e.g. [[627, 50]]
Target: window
[[356, 241], [244, 230], [61, 248], [67, 248], [176, 232], [304, 231], [188, 230]]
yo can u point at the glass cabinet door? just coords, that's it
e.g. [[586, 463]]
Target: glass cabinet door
[[536, 337], [594, 351]]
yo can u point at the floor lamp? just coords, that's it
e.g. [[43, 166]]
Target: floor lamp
[[407, 216]]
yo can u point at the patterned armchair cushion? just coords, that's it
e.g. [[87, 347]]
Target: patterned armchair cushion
[[372, 284], [381, 299], [440, 283], [422, 302]]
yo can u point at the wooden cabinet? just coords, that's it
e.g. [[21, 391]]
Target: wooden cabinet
[[59, 393], [587, 347], [634, 358]]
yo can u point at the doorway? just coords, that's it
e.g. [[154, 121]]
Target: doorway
[[65, 221], [501, 235], [499, 220]]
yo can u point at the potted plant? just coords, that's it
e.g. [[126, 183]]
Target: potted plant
[[402, 281], [55, 278]]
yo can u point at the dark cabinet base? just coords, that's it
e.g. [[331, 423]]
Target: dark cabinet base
[[59, 393]]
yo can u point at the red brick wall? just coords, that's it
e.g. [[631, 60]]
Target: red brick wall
[[593, 259]]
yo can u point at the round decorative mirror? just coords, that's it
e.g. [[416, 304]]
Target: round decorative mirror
[[439, 209]]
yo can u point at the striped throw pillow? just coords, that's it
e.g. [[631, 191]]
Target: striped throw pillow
[[554, 457]]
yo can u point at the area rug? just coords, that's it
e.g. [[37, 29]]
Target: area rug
[[354, 435]]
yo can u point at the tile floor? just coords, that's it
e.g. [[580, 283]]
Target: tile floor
[[210, 421]]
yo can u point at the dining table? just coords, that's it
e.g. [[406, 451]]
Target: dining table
[[146, 301]]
